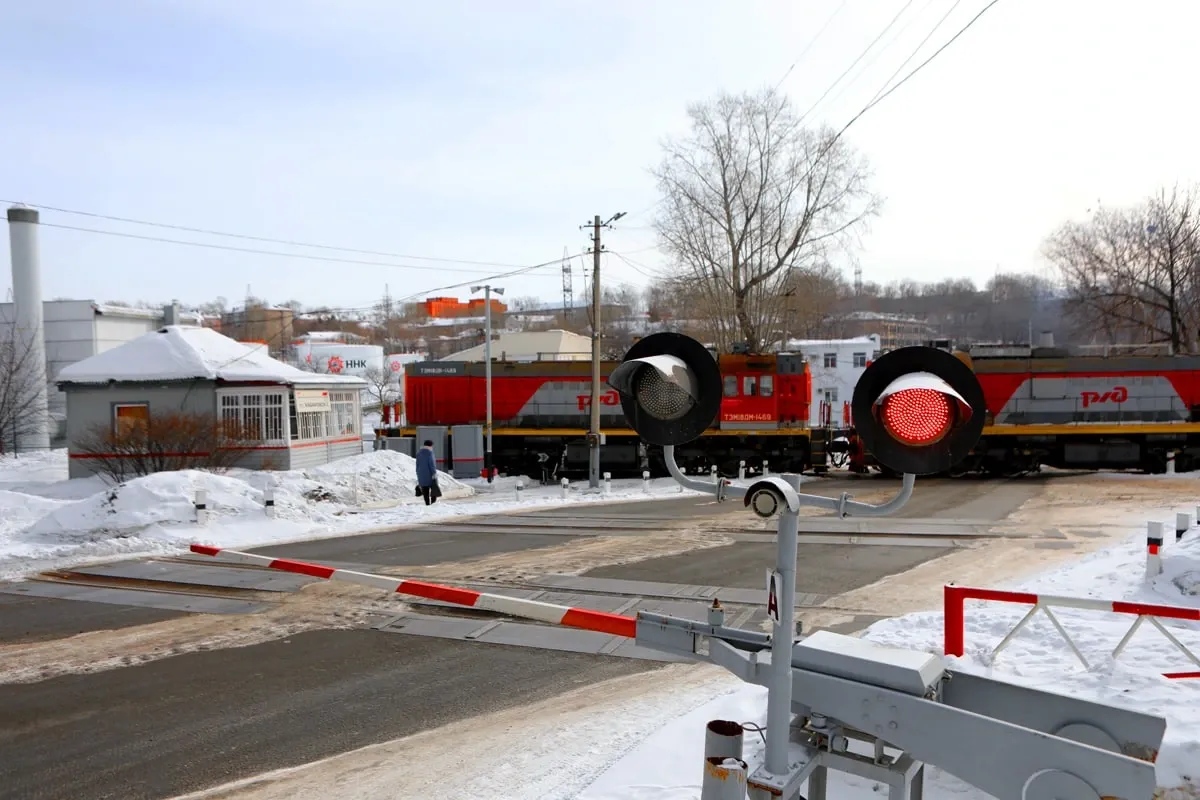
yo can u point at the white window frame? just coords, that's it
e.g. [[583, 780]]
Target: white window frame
[[345, 416], [234, 400], [830, 360], [859, 357]]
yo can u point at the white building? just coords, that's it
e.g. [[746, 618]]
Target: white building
[[79, 329], [556, 345], [835, 366]]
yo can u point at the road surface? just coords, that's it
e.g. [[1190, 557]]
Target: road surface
[[181, 723]]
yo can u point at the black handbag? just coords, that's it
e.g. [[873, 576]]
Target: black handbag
[[418, 493]]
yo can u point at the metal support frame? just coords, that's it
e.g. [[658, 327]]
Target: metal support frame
[[846, 691]]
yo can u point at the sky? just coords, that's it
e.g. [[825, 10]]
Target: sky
[[454, 132]]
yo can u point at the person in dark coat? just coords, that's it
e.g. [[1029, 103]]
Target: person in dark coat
[[427, 485]]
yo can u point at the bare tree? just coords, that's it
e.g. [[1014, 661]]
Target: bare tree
[[383, 387], [751, 194], [20, 379], [1133, 274]]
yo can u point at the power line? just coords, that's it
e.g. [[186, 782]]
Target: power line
[[854, 63], [249, 237], [888, 45], [277, 253], [811, 42], [917, 49], [915, 70]]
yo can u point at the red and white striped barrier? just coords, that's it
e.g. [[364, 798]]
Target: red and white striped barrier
[[955, 598], [582, 618]]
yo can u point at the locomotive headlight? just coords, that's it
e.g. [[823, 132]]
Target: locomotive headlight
[[918, 410], [670, 388]]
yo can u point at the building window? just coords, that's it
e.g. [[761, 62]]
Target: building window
[[129, 416], [259, 414], [860, 359], [830, 360], [830, 396], [731, 383], [345, 414], [766, 385]]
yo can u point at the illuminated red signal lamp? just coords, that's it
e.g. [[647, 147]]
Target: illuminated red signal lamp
[[915, 410]]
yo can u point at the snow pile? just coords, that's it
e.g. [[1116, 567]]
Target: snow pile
[[49, 522], [379, 477], [666, 766]]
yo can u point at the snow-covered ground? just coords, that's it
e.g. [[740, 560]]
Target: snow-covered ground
[[47, 521], [642, 737]]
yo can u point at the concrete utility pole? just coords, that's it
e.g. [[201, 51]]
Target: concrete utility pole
[[487, 369], [594, 425]]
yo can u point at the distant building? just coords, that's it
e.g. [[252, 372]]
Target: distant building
[[556, 345], [300, 419], [79, 329], [894, 330], [273, 326], [447, 307], [835, 366]]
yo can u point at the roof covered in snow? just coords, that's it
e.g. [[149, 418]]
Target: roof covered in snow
[[526, 345], [180, 352]]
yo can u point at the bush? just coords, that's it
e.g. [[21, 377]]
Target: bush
[[162, 443]]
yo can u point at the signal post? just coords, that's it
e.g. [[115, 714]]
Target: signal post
[[919, 411]]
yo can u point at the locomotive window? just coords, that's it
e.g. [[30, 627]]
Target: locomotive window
[[731, 385], [749, 386], [766, 385]]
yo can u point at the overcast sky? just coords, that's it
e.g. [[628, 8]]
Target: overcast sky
[[490, 132]]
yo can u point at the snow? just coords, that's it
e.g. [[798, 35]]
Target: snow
[[49, 522], [180, 352]]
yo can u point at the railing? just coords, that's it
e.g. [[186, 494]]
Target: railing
[[955, 598]]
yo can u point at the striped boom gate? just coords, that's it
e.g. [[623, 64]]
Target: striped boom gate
[[582, 618], [955, 598]]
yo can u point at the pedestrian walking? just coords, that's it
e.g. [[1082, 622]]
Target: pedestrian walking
[[427, 483]]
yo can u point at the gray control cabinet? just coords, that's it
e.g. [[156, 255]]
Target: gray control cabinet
[[466, 451]]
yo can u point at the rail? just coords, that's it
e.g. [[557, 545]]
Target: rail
[[955, 598]]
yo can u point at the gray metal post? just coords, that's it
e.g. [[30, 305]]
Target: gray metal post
[[779, 689], [487, 372], [594, 422]]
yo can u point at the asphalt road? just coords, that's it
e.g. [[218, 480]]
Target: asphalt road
[[196, 720]]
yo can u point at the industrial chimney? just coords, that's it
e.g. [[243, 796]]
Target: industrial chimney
[[33, 433]]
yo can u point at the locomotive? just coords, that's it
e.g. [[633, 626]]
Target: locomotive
[[1044, 406]]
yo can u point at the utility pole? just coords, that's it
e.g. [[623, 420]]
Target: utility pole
[[594, 425], [487, 369]]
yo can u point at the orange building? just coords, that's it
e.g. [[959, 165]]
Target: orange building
[[449, 307]]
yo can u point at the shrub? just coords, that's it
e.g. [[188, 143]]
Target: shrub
[[164, 442]]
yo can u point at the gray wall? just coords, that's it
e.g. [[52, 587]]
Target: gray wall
[[314, 455], [89, 406]]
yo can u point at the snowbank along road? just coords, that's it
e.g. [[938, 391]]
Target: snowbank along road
[[153, 678]]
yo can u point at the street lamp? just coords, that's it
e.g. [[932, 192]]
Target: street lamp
[[487, 358]]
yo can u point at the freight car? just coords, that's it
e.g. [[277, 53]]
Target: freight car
[[541, 411]]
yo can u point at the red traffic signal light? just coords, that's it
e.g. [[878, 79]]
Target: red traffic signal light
[[918, 410]]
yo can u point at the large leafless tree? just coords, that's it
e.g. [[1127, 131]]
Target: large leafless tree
[[20, 385], [1132, 275], [750, 195]]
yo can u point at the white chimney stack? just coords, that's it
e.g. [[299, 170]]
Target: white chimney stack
[[34, 432]]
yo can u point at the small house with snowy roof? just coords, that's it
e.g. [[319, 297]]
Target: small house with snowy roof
[[296, 418]]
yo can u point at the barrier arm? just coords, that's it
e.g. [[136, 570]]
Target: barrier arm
[[582, 618]]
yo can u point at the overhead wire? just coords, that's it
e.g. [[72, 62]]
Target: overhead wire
[[917, 49], [278, 253], [854, 63], [254, 238], [811, 42]]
